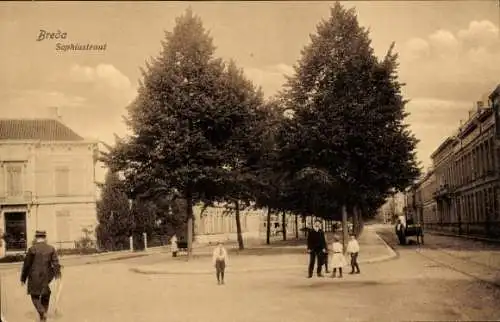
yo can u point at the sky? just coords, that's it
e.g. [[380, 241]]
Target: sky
[[449, 54]]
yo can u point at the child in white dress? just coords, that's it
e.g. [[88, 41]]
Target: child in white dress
[[173, 245], [338, 258]]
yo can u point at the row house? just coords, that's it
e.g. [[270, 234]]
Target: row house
[[46, 183], [466, 175], [426, 202], [420, 203]]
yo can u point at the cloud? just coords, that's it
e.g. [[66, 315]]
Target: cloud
[[37, 103], [432, 120], [104, 74], [418, 47], [105, 79], [444, 44], [479, 33], [91, 100], [453, 66], [270, 78]]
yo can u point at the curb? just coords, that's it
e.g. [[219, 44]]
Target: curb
[[392, 250], [85, 261], [476, 238], [116, 258], [153, 271]]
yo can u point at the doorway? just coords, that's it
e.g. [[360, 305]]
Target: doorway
[[15, 231]]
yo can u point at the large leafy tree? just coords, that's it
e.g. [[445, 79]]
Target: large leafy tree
[[348, 132], [184, 120], [243, 144]]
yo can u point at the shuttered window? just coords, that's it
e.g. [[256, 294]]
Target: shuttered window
[[62, 181], [14, 173]]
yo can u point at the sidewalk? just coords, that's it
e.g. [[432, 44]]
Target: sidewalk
[[266, 257], [68, 260]]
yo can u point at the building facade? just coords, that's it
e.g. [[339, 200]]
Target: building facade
[[395, 206], [216, 224], [46, 183], [465, 180], [426, 204]]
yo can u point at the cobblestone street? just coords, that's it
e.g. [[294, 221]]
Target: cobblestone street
[[411, 287]]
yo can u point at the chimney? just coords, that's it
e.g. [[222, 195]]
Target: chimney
[[54, 113], [479, 105]]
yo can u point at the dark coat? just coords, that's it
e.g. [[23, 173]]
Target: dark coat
[[40, 267], [316, 240]]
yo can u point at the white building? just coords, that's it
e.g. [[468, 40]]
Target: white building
[[216, 224], [46, 183], [393, 206]]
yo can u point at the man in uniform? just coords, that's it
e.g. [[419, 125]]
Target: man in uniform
[[40, 267]]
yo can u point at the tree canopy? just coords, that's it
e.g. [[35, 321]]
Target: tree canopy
[[348, 130], [334, 136]]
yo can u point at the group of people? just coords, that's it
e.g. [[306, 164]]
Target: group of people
[[317, 247], [41, 264]]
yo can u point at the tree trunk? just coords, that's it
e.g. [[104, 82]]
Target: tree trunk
[[268, 226], [238, 225], [283, 224], [344, 227], [190, 223], [355, 220], [296, 226], [304, 223], [358, 221]]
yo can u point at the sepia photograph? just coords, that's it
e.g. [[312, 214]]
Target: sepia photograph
[[249, 161]]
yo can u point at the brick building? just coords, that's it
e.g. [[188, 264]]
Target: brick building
[[465, 181]]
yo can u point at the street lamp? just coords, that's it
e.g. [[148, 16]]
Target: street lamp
[[131, 237]]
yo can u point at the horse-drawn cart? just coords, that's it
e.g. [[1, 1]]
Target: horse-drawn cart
[[409, 230]]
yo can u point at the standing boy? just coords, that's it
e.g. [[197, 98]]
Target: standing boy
[[353, 249], [219, 260]]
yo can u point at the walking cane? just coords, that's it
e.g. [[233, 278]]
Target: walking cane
[[58, 296], [2, 318]]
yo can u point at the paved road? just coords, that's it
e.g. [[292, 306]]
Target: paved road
[[412, 287]]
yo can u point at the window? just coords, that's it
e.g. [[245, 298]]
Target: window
[[62, 181], [63, 224], [14, 180]]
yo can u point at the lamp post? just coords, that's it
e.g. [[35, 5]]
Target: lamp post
[[131, 237]]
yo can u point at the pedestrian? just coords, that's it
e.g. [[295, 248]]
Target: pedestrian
[[173, 245], [338, 258], [353, 250], [400, 232], [220, 260], [40, 267], [316, 247]]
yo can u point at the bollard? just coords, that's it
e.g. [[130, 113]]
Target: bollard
[[131, 243], [145, 236]]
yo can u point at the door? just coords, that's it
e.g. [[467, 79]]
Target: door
[[15, 231]]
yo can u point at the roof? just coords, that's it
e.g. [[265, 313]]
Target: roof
[[442, 146], [36, 129], [495, 93]]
